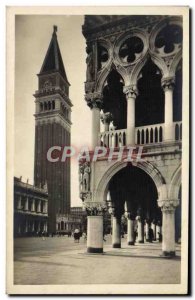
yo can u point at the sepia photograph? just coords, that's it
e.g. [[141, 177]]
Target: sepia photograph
[[98, 150]]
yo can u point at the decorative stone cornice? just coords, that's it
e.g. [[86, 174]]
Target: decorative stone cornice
[[95, 28], [56, 117], [168, 83], [95, 208], [94, 100], [52, 92], [106, 118], [130, 91], [168, 205]]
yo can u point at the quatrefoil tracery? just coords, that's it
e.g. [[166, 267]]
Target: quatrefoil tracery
[[169, 39], [131, 49]]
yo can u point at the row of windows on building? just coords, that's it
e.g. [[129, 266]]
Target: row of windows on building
[[47, 105], [50, 105]]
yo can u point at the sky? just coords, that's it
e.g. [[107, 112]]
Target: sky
[[33, 35]]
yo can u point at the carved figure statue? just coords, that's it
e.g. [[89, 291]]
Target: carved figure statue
[[81, 172], [86, 177]]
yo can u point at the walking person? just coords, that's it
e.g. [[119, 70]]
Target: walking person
[[76, 235]]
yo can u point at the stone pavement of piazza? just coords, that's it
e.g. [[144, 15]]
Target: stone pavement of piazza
[[59, 260]]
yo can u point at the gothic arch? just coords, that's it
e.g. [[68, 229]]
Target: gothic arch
[[104, 74], [147, 167], [175, 184], [138, 67]]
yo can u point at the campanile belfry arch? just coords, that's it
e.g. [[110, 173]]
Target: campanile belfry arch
[[134, 66]]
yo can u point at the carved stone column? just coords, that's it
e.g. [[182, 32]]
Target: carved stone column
[[33, 205], [33, 226], [147, 227], [95, 211], [94, 101], [153, 226], [168, 86], [158, 231], [140, 229], [168, 226], [26, 226], [26, 204], [19, 204], [38, 226], [45, 207], [131, 94], [116, 231], [19, 228], [39, 206], [45, 226], [57, 228], [130, 229]]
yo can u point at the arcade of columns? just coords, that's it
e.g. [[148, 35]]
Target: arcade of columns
[[164, 167], [30, 209], [33, 222]]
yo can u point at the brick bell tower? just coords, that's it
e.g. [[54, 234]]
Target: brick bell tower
[[53, 128]]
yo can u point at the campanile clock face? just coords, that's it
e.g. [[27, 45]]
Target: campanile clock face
[[47, 84]]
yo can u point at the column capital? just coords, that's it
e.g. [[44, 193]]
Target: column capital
[[106, 118], [168, 205], [95, 208], [168, 83], [94, 100], [130, 91]]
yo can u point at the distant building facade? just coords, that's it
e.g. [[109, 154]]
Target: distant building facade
[[30, 209], [52, 127], [77, 219]]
